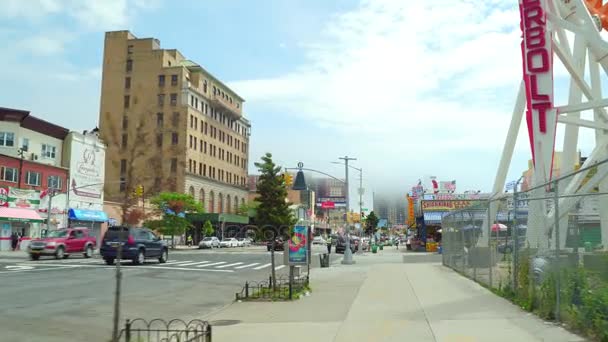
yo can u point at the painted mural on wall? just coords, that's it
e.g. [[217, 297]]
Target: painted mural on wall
[[86, 175]]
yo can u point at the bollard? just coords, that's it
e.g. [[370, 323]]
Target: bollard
[[246, 289]]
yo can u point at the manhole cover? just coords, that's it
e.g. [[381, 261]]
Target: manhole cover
[[224, 322]]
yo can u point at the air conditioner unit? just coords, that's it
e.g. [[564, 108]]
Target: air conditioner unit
[[34, 156]]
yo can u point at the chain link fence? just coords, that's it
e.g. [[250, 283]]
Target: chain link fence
[[540, 247]]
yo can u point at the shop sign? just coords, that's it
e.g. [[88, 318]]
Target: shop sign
[[23, 198], [445, 205], [328, 205], [3, 197]]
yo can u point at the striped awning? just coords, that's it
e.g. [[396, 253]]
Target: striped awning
[[19, 215]]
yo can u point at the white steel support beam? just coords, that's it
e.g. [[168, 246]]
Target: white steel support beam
[[601, 138], [582, 123], [569, 108], [507, 155]]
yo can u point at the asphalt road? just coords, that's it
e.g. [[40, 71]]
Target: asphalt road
[[72, 299]]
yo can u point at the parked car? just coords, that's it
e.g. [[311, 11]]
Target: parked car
[[138, 244], [229, 242], [62, 243], [209, 242], [341, 244], [319, 240], [278, 245], [245, 242]]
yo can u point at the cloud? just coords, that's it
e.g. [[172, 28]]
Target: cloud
[[89, 14], [387, 65]]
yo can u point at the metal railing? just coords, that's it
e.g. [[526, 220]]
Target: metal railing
[[159, 330], [264, 290]]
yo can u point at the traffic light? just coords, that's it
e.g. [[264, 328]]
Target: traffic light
[[288, 178], [139, 191]]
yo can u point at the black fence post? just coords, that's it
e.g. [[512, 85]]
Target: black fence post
[[246, 289], [127, 331]]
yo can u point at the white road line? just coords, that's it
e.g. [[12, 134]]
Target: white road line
[[181, 262], [229, 265], [263, 266], [194, 263], [245, 266], [187, 269], [213, 264], [279, 267], [173, 262]]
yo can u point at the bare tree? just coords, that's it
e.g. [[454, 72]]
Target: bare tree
[[135, 159]]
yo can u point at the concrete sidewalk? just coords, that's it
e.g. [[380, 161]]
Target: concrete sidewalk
[[381, 298]]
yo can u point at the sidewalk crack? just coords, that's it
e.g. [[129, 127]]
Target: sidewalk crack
[[426, 317]]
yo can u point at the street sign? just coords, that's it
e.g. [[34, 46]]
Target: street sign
[[364, 209]]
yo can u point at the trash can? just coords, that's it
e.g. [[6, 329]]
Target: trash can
[[324, 260], [381, 246], [374, 249]]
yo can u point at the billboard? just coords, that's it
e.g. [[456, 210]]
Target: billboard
[[446, 205], [87, 165]]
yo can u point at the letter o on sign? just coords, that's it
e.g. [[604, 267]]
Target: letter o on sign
[[544, 58]]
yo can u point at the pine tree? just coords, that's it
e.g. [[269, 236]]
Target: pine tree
[[273, 210]]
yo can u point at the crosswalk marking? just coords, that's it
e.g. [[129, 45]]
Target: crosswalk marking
[[279, 267], [263, 266], [181, 262], [194, 263], [245, 266], [213, 264], [229, 265]]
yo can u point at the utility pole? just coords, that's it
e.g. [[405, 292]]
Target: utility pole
[[348, 256]]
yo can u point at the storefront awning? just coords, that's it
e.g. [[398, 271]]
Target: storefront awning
[[433, 217], [87, 215], [19, 215]]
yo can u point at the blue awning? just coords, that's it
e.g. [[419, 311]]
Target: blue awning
[[433, 217], [87, 215]]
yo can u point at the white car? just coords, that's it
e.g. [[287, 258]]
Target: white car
[[229, 242], [319, 240], [244, 242], [209, 242]]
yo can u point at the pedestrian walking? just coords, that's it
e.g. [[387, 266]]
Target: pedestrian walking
[[329, 245], [14, 241], [397, 243]]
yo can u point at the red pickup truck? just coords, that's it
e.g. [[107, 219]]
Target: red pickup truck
[[63, 242]]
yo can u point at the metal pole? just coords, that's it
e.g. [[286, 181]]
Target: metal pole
[[115, 333], [491, 254], [48, 220], [557, 252], [360, 251]]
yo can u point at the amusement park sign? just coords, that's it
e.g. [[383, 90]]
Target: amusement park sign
[[537, 55], [446, 205]]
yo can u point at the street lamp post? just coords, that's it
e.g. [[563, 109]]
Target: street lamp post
[[360, 251]]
